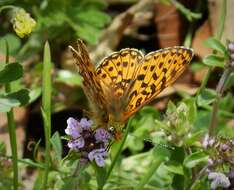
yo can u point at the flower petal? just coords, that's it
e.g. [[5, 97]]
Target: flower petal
[[101, 135]]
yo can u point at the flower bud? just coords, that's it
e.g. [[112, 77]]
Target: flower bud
[[23, 23], [231, 47], [232, 56], [224, 147]]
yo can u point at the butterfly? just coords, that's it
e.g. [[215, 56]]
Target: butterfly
[[126, 80]]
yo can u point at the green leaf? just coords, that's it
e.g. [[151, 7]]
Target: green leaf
[[34, 94], [216, 45], [57, 145], [196, 158], [100, 174], [31, 163], [69, 183], [94, 18], [13, 41], [193, 139], [22, 96], [2, 148], [192, 114], [69, 78], [214, 61], [7, 103], [36, 148], [206, 97], [174, 167], [88, 33], [161, 153], [11, 72], [171, 107], [197, 66], [230, 81]]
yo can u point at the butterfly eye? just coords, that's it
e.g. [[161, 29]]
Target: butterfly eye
[[111, 130]]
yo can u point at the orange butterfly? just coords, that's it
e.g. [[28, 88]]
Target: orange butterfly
[[127, 80]]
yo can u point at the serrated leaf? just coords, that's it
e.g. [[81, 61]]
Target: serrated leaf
[[193, 138], [216, 45], [174, 167], [57, 145], [191, 103], [214, 61], [11, 72], [206, 97], [195, 159]]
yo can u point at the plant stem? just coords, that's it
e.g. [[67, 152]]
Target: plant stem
[[117, 154], [202, 171], [7, 7], [224, 77], [189, 35], [46, 109], [218, 36], [219, 90], [11, 129], [153, 167]]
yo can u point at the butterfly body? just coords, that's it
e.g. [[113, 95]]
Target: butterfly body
[[127, 80]]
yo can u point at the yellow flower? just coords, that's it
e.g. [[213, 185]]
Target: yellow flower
[[23, 23]]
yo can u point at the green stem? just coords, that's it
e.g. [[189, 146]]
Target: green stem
[[151, 170], [224, 77], [117, 154], [12, 133], [7, 7], [46, 109], [219, 90], [200, 174], [218, 36]]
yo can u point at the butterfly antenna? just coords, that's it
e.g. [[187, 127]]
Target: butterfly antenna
[[109, 145], [154, 143]]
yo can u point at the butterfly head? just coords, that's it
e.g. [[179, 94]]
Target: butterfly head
[[117, 134], [115, 129]]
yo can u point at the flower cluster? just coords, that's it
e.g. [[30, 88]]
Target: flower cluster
[[23, 23], [218, 180], [91, 144]]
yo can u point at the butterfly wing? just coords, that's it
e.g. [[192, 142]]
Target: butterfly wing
[[131, 80], [91, 81], [117, 73], [158, 70]]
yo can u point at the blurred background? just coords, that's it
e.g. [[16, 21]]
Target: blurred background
[[105, 26]]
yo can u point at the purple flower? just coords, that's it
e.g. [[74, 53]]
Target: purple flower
[[231, 174], [101, 135], [86, 124], [76, 144], [231, 47], [224, 147], [89, 143], [98, 155], [73, 128], [218, 180]]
